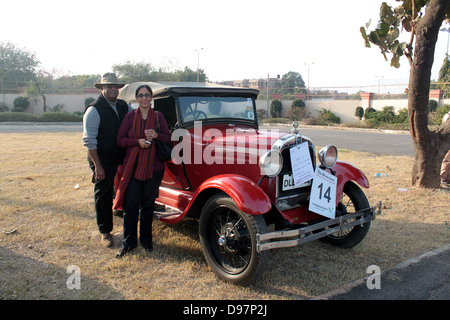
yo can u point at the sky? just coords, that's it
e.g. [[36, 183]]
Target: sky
[[229, 40]]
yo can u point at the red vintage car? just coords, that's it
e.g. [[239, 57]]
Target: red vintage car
[[237, 179]]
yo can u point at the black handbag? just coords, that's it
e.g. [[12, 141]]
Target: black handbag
[[163, 151]]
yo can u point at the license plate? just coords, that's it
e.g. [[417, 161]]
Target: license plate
[[288, 183]]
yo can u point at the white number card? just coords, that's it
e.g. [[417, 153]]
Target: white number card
[[323, 194], [302, 169]]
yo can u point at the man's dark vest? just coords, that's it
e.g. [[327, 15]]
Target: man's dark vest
[[107, 148]]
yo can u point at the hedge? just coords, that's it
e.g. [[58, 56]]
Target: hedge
[[17, 117], [43, 117], [59, 117]]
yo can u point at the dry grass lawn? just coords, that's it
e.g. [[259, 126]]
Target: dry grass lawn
[[47, 225]]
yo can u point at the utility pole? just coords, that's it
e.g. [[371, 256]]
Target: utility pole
[[307, 90], [267, 88], [198, 63]]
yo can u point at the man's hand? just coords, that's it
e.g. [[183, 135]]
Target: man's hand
[[99, 171]]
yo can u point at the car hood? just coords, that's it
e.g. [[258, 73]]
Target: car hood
[[250, 138]]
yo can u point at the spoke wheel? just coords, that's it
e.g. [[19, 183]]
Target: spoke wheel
[[228, 238], [353, 199]]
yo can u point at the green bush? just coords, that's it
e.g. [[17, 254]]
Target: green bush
[[402, 116], [277, 120], [262, 114], [435, 118], [432, 105], [296, 113], [20, 104], [3, 107], [328, 117], [275, 108], [359, 112], [442, 111], [58, 117], [370, 113], [298, 103], [17, 117], [386, 115], [87, 101]]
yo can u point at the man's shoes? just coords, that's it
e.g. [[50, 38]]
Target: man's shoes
[[148, 248], [122, 252], [107, 240]]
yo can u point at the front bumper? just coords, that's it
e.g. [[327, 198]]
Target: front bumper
[[315, 231]]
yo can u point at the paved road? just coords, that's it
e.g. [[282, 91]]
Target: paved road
[[24, 127], [378, 142], [352, 139], [426, 277]]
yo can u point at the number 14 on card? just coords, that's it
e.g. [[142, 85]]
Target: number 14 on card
[[323, 194]]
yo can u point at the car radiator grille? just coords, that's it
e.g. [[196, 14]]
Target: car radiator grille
[[293, 198]]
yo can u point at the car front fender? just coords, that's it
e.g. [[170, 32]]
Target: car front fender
[[247, 195], [346, 172]]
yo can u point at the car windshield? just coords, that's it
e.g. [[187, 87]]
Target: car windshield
[[195, 108]]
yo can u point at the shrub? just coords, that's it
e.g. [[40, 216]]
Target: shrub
[[57, 108], [277, 120], [87, 101], [387, 115], [359, 112], [435, 118], [327, 117], [298, 103], [17, 117], [58, 117], [442, 111], [262, 114], [432, 105], [3, 107], [370, 113], [402, 116], [296, 113], [275, 108], [20, 104]]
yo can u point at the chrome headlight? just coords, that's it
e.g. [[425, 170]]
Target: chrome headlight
[[328, 156], [271, 163]]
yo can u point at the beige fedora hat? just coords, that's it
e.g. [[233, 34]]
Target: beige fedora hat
[[109, 79]]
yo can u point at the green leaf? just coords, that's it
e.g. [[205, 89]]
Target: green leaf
[[392, 35], [364, 35], [395, 61], [387, 15], [407, 24], [373, 37], [382, 28]]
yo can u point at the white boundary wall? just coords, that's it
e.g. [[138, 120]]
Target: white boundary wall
[[345, 109]]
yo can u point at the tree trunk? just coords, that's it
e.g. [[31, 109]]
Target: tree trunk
[[430, 146]]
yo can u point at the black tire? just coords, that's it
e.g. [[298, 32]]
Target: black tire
[[353, 199], [228, 239]]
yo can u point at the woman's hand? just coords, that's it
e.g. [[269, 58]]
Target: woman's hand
[[144, 144], [151, 134]]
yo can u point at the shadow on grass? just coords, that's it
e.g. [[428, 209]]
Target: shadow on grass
[[23, 278]]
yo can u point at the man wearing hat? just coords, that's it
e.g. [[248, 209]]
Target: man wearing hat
[[101, 122]]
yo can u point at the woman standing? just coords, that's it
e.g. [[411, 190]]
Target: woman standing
[[142, 170]]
